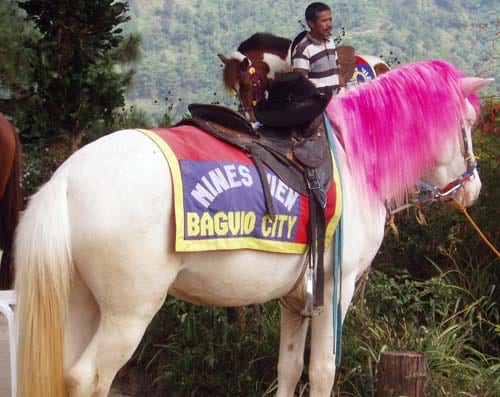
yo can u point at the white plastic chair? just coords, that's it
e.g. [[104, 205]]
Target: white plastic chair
[[7, 301]]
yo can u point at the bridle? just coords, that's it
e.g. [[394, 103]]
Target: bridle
[[258, 85], [427, 193]]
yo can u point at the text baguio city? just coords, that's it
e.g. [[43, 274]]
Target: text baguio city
[[241, 209]]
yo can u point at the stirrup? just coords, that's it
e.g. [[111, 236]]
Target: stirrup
[[309, 309]]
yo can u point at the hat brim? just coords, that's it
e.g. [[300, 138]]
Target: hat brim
[[297, 113]]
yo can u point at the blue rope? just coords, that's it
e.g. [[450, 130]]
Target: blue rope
[[337, 262]]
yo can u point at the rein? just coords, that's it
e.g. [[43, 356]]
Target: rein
[[476, 227]]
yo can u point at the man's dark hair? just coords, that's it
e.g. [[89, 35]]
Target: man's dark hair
[[313, 9]]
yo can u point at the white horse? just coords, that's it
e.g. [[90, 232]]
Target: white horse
[[95, 253]]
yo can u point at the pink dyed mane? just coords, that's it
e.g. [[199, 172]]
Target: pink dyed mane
[[393, 128]]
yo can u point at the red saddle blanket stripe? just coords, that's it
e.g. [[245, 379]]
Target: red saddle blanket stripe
[[219, 201]]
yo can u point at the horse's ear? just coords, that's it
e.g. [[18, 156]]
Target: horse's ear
[[223, 58], [468, 85], [381, 68], [245, 64]]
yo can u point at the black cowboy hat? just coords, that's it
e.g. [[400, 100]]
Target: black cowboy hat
[[293, 100]]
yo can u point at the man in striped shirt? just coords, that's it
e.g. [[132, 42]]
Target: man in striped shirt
[[314, 55]]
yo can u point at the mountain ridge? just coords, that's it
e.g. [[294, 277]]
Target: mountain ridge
[[180, 39]]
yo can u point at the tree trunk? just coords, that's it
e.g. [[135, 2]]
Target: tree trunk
[[76, 141], [401, 374]]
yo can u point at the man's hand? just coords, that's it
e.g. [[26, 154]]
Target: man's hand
[[303, 72]]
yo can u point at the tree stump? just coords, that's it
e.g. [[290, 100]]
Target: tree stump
[[401, 374]]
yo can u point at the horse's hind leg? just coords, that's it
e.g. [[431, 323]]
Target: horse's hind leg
[[124, 318], [117, 336], [291, 358], [112, 345], [322, 360]]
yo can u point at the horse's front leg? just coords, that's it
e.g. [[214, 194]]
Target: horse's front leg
[[322, 360], [291, 359]]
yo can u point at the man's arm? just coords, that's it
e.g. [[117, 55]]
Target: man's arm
[[300, 61]]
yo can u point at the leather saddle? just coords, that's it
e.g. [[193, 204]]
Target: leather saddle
[[301, 160], [286, 151]]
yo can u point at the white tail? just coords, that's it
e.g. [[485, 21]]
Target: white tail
[[43, 274]]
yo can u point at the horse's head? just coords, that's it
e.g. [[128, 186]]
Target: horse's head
[[248, 78], [412, 124], [456, 172]]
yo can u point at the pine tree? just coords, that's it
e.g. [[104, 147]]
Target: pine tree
[[81, 72]]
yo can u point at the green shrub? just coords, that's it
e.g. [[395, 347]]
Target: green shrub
[[451, 330], [194, 350], [40, 160]]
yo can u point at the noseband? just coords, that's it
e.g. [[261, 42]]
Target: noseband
[[258, 84]]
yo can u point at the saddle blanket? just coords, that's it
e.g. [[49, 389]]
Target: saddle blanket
[[219, 200]]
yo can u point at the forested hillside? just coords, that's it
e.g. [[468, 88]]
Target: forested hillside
[[181, 39]]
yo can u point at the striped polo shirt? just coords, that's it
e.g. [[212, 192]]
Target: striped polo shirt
[[319, 58]]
